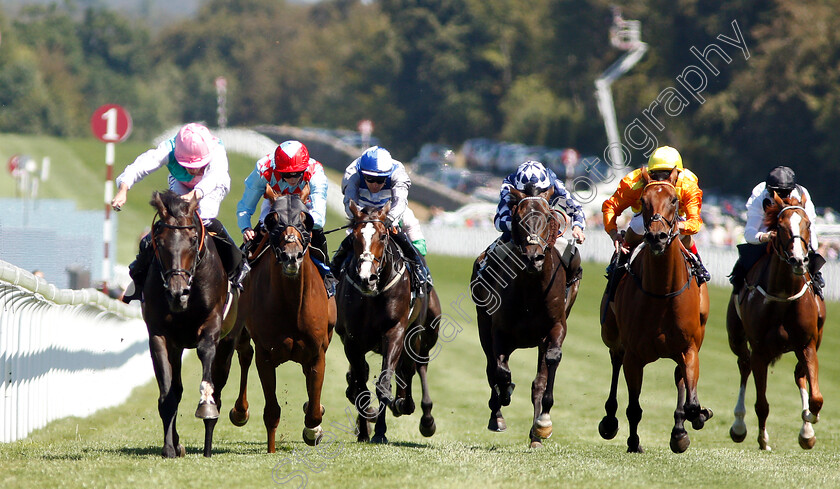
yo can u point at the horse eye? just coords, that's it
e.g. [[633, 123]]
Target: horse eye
[[382, 237], [674, 200], [193, 239]]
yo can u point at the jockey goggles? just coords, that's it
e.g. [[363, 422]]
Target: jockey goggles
[[290, 175], [373, 179]]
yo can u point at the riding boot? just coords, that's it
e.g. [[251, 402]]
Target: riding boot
[[319, 243], [815, 262], [615, 271], [738, 276], [419, 271], [341, 255], [574, 272], [698, 269], [138, 270], [234, 262]]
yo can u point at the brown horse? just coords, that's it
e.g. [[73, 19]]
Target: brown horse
[[186, 295], [287, 313], [778, 312], [659, 312], [377, 313], [530, 311]]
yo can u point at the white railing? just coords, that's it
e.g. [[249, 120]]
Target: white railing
[[64, 352], [469, 242]]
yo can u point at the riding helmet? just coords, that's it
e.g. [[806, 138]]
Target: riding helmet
[[532, 172], [290, 157], [665, 158], [376, 162], [781, 178], [192, 145]]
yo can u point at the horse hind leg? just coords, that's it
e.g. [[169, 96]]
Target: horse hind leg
[[608, 427], [239, 413], [806, 373], [738, 345]]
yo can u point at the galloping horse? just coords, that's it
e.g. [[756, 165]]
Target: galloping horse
[[531, 311], [186, 294], [287, 313], [376, 313], [778, 312], [659, 312]]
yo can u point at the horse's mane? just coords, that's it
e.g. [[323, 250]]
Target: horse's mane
[[173, 203], [771, 211]]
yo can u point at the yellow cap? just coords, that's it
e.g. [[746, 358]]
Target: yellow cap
[[665, 158]]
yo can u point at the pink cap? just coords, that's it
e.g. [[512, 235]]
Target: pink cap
[[192, 145]]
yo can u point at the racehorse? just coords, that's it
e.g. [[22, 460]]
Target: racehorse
[[530, 311], [377, 313], [287, 313], [659, 312], [186, 294], [777, 312]]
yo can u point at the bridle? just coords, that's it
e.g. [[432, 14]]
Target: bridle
[[367, 256], [533, 238], [672, 224], [167, 274], [376, 263], [780, 248], [275, 236]]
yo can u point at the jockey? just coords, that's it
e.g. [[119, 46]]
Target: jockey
[[629, 193], [374, 179], [535, 173], [781, 181], [198, 168], [289, 170]]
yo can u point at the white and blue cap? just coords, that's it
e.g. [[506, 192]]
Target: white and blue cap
[[532, 172], [376, 162]]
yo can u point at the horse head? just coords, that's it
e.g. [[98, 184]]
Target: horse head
[[370, 244], [790, 230], [289, 227], [534, 225], [660, 210], [177, 239]]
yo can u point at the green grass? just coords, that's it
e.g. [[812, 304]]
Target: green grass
[[119, 447]]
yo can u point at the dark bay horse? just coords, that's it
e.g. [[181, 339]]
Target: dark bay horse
[[186, 295], [659, 312], [376, 313], [287, 313], [778, 312], [521, 302]]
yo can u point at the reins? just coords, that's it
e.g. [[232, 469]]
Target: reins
[[167, 274]]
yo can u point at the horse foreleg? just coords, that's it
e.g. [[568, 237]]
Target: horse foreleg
[[392, 346], [403, 401], [497, 421], [679, 437], [166, 360], [633, 371], [738, 345], [239, 413], [542, 389], [268, 380], [694, 412], [762, 407], [608, 427], [806, 369], [313, 409], [427, 421], [357, 391]]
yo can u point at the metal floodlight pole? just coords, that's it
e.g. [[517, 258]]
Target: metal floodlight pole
[[626, 35]]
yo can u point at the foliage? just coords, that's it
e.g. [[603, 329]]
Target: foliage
[[448, 70]]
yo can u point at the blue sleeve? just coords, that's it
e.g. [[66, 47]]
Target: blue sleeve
[[564, 199], [318, 197], [502, 219], [254, 190]]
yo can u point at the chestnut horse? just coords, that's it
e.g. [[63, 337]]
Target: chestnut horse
[[777, 312], [377, 313], [287, 313], [186, 295], [659, 312], [528, 310]]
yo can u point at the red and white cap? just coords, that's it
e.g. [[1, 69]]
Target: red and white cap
[[192, 145], [291, 157]]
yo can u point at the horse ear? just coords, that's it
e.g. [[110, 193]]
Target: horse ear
[[517, 195], [270, 194], [803, 200], [766, 203], [158, 204], [778, 199], [675, 173], [193, 205], [307, 220], [548, 193], [354, 209], [386, 208], [645, 175], [304, 192]]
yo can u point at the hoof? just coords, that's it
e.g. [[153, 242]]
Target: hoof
[[306, 405], [237, 418], [497, 424], [207, 410], [536, 444], [541, 432], [313, 436], [176, 452], [505, 395], [402, 406], [608, 427], [379, 439], [182, 452], [737, 437], [427, 429], [637, 449], [680, 442], [700, 421], [807, 443]]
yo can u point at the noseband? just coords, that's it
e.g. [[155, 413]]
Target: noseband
[[777, 245], [169, 273], [533, 238], [276, 236], [673, 230], [367, 256]]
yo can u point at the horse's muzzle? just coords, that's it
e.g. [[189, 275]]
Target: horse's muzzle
[[658, 242], [536, 263]]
